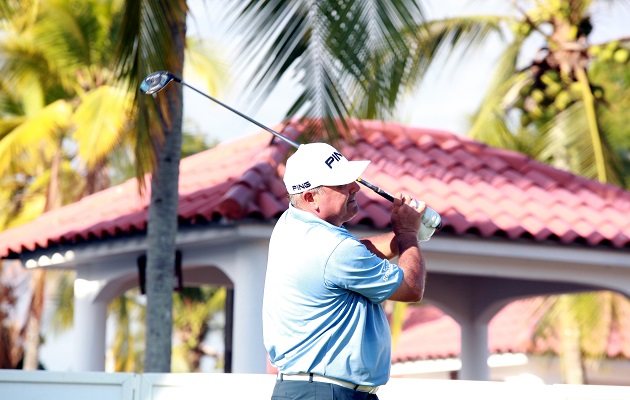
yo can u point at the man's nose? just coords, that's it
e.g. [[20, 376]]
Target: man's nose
[[355, 187]]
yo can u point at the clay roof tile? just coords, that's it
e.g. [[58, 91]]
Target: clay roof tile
[[477, 189]]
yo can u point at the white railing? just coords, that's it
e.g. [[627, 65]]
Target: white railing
[[38, 385]]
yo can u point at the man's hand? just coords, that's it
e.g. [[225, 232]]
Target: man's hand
[[406, 218]]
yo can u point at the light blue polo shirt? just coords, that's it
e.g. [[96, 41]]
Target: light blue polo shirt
[[322, 308]]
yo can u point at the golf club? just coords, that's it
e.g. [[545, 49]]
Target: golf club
[[157, 81]]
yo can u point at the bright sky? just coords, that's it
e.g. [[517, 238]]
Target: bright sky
[[449, 95]]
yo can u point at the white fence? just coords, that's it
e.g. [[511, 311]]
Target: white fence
[[44, 385]]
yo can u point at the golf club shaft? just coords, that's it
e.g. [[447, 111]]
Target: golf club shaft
[[367, 184], [253, 121]]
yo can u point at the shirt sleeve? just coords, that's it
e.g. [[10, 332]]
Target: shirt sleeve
[[352, 266]]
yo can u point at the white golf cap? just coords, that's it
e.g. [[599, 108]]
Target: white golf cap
[[319, 164]]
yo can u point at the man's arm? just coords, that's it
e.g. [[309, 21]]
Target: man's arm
[[411, 261], [403, 242], [384, 246]]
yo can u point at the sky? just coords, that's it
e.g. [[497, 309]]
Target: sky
[[436, 103], [450, 93]]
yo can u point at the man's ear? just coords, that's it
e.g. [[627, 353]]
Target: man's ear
[[309, 198]]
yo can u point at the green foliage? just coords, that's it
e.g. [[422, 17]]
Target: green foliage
[[194, 143], [57, 85], [194, 309], [69, 105], [352, 58], [540, 97], [63, 282], [127, 349], [593, 316], [614, 78]]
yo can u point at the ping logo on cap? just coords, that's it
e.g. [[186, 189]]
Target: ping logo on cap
[[302, 186], [336, 156]]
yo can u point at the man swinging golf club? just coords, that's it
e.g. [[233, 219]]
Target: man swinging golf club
[[323, 324]]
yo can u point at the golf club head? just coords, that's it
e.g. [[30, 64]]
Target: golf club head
[[156, 81]]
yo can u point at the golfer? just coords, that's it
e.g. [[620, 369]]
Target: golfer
[[323, 324]]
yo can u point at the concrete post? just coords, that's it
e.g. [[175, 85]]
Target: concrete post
[[248, 275], [474, 354], [89, 327]]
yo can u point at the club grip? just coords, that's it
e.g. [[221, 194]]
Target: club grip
[[376, 189], [430, 218]]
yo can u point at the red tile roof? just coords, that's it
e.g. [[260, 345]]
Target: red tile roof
[[477, 189], [428, 333]]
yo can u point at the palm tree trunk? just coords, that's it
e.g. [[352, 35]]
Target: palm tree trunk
[[31, 352], [97, 178], [162, 222], [33, 327], [10, 350], [570, 354]]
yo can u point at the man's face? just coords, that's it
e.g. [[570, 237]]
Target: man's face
[[338, 204]]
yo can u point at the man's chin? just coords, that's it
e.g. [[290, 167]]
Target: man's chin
[[353, 208]]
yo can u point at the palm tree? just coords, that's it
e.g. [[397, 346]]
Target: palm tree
[[614, 79], [42, 60], [153, 38], [58, 86], [352, 58], [581, 325], [194, 310], [550, 109], [10, 351]]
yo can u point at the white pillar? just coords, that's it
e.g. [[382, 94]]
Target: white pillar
[[474, 354], [89, 327], [248, 275]]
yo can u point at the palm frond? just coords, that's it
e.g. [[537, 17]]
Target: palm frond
[[101, 122], [463, 33], [565, 142], [490, 123], [349, 57], [63, 317], [25, 138], [146, 44], [205, 62]]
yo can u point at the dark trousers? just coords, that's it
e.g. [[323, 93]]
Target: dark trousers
[[298, 390]]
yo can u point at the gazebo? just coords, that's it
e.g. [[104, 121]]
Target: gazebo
[[513, 228]]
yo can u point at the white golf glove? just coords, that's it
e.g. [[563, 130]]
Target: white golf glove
[[431, 220]]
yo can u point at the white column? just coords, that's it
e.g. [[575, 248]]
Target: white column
[[248, 275], [89, 327], [474, 354]]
